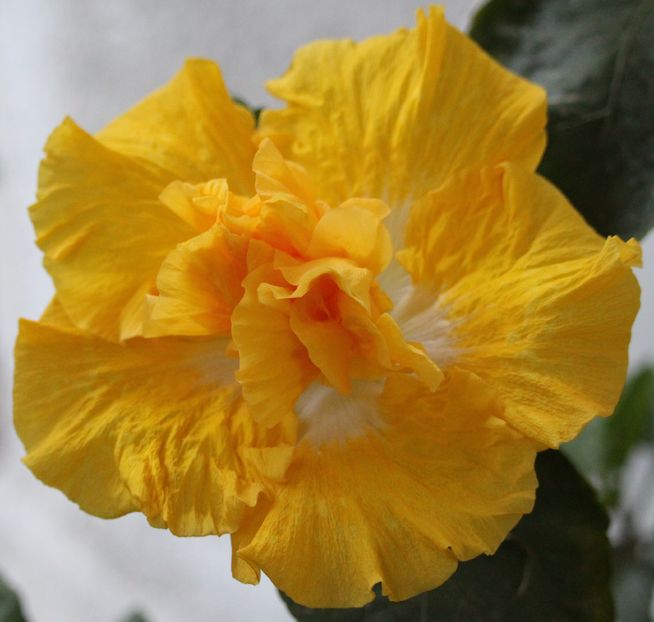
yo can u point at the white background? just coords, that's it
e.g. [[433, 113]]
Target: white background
[[92, 59]]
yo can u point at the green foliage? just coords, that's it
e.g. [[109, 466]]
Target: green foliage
[[602, 448], [554, 566], [596, 60], [601, 451], [633, 420], [10, 609]]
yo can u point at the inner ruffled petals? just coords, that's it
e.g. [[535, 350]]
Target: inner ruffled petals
[[339, 334], [196, 204], [307, 306]]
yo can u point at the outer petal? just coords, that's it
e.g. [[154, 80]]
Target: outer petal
[[393, 116], [154, 425], [445, 479], [54, 315], [190, 129], [103, 231], [539, 305]]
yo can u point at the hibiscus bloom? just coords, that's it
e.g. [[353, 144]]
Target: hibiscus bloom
[[340, 337]]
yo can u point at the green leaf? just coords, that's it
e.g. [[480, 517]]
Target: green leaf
[[602, 448], [633, 420], [596, 60], [553, 567], [10, 609]]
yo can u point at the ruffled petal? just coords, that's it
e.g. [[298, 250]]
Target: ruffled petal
[[393, 116], [537, 304], [289, 212], [444, 479], [274, 367], [196, 204], [354, 229], [155, 425], [409, 355], [199, 285], [190, 129], [103, 231]]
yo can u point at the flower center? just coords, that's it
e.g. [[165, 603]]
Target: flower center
[[315, 332]]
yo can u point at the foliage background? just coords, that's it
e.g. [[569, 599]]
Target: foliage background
[[92, 60]]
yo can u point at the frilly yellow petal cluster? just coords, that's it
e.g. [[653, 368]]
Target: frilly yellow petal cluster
[[340, 337]]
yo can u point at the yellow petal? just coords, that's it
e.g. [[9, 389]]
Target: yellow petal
[[539, 305], [273, 365], [341, 339], [196, 204], [329, 346], [350, 278], [408, 355], [154, 425], [54, 315], [289, 211], [393, 116], [278, 179], [445, 479], [190, 129], [354, 229], [103, 231], [199, 286], [330, 312]]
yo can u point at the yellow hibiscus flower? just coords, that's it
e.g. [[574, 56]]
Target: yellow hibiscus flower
[[340, 337]]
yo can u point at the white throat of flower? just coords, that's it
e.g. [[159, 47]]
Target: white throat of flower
[[421, 316], [327, 416]]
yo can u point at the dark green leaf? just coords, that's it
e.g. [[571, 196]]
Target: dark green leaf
[[10, 609], [135, 617], [633, 420], [602, 448], [596, 60], [553, 567]]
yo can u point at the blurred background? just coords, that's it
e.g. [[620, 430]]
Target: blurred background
[[92, 60]]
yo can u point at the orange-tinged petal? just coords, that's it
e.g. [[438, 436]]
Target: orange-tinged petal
[[539, 305], [355, 230], [341, 339], [409, 355], [199, 285], [196, 204], [329, 346], [350, 278], [278, 179], [289, 212], [444, 479], [103, 231], [274, 367], [190, 129], [155, 425], [394, 116]]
